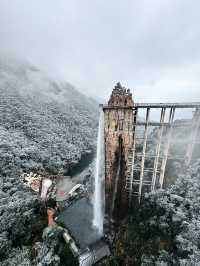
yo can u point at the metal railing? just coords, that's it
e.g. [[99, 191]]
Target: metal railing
[[162, 145]]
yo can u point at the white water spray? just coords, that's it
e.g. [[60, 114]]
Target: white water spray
[[98, 204]]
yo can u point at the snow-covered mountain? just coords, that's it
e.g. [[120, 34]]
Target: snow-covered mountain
[[44, 124]]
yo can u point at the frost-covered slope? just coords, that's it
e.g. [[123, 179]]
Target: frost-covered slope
[[43, 124]]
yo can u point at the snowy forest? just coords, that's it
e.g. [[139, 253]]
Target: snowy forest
[[45, 127], [99, 133], [165, 230]]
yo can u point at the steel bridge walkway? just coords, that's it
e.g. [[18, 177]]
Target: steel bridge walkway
[[135, 180]]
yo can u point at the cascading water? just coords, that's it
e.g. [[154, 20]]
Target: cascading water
[[98, 204]]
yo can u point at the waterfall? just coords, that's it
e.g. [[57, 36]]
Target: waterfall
[[98, 204]]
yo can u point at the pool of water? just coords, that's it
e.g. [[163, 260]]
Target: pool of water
[[78, 219], [84, 162]]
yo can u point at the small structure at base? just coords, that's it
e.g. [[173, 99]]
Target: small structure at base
[[77, 219], [67, 191], [94, 253]]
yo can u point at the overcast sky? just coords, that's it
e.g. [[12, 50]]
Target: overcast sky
[[151, 46]]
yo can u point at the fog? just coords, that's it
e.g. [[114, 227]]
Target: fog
[[151, 46]]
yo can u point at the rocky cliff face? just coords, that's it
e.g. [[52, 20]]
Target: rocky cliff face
[[118, 115]]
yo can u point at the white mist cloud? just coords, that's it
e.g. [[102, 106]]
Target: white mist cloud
[[151, 46]]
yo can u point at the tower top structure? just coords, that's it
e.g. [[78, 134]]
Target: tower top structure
[[121, 97]]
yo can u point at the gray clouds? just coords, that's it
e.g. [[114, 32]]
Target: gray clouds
[[149, 45]]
